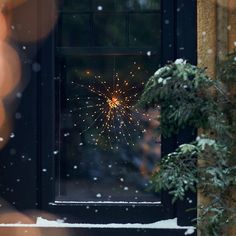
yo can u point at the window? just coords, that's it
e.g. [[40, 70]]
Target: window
[[107, 146], [90, 154]]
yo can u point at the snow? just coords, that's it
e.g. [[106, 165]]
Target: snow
[[18, 115], [189, 231], [180, 61], [159, 71], [160, 80], [18, 95], [163, 224], [167, 22], [103, 202], [209, 51], [36, 67]]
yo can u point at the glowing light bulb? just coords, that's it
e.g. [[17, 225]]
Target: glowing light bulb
[[113, 102]]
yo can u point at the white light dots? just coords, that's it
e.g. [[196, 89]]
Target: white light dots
[[100, 8]]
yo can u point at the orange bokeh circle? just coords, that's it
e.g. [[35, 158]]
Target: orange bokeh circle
[[33, 20], [5, 132], [10, 70], [3, 27], [2, 114], [11, 4]]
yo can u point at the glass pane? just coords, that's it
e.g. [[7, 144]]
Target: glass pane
[[108, 146], [109, 30], [74, 5], [74, 30], [119, 5], [150, 33]]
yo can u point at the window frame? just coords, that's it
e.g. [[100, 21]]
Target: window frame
[[175, 44]]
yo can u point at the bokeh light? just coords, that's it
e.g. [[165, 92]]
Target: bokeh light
[[3, 27], [5, 131], [11, 4], [2, 114], [30, 27], [16, 217], [10, 70]]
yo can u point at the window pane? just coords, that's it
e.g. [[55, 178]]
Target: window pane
[[109, 30], [150, 33], [75, 5], [120, 5], [108, 147], [74, 30]]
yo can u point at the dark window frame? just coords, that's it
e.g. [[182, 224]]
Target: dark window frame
[[79, 211], [175, 44]]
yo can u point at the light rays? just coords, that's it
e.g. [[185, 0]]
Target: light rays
[[107, 113]]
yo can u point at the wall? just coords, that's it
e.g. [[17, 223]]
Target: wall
[[216, 37]]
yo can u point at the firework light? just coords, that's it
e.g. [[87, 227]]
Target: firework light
[[107, 114]]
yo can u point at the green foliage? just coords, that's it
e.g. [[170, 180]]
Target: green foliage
[[188, 97], [184, 93], [227, 70], [177, 172]]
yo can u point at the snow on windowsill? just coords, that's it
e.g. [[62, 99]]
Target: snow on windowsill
[[163, 224], [104, 202]]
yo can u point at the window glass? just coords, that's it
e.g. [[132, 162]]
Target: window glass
[[109, 30], [74, 30], [107, 146], [119, 5], [148, 36], [75, 5]]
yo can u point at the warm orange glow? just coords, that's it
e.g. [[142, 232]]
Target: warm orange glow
[[5, 132], [16, 217], [33, 27], [2, 114], [11, 4], [10, 71], [33, 214], [113, 102], [3, 27], [11, 216]]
